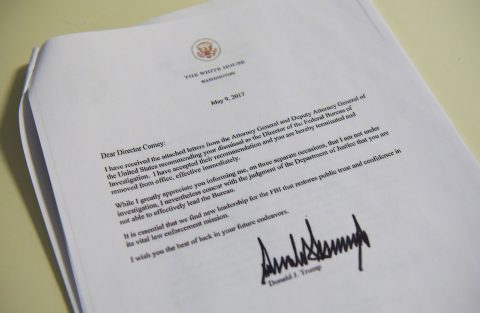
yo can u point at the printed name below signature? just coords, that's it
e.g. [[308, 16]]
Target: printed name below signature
[[313, 249]]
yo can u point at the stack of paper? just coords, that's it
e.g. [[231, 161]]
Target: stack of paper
[[250, 156]]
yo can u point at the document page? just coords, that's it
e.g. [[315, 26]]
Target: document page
[[266, 157]]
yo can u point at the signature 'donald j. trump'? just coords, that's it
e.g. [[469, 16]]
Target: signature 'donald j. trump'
[[313, 249]]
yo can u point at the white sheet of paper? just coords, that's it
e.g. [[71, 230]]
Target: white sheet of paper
[[392, 159]]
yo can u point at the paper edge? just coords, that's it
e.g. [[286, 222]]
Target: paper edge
[[34, 159]]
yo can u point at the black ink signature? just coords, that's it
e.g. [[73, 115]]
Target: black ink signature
[[314, 250]]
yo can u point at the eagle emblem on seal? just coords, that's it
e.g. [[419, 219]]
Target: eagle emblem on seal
[[206, 49]]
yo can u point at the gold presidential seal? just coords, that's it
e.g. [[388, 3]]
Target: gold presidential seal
[[206, 49]]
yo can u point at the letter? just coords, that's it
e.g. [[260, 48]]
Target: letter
[[221, 191]]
